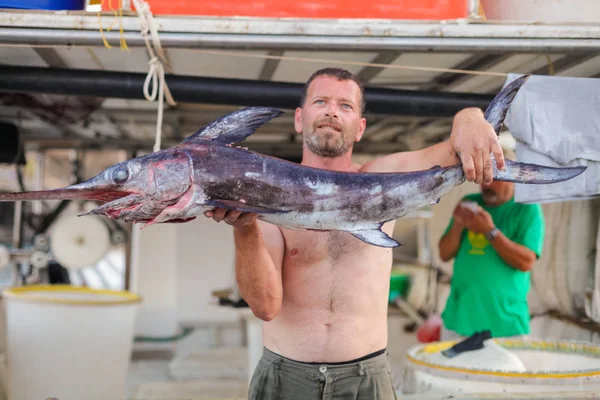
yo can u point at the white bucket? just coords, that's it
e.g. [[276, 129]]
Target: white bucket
[[68, 342], [504, 366]]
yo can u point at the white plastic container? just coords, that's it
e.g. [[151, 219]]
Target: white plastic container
[[545, 11], [504, 366], [68, 342]]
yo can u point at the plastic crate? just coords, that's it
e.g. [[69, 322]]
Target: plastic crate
[[384, 9]]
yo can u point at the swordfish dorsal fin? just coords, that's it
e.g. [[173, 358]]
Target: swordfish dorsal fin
[[236, 126]]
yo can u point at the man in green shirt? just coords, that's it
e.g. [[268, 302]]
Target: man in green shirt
[[495, 242]]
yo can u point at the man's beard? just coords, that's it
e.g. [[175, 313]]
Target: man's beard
[[326, 145]]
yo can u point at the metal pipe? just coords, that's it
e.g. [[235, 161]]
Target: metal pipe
[[189, 40], [236, 92], [17, 224], [304, 27]]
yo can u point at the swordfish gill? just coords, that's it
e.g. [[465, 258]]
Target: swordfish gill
[[205, 171]]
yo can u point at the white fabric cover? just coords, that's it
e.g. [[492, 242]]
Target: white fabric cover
[[554, 121]]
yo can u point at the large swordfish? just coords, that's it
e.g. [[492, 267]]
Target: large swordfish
[[205, 171]]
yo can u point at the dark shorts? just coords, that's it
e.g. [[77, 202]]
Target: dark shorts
[[278, 377]]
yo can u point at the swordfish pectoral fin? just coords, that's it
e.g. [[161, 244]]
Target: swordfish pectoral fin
[[518, 172], [376, 237], [243, 207]]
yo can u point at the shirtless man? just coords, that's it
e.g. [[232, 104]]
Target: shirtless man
[[323, 296]]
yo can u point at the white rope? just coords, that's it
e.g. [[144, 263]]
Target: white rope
[[156, 69]]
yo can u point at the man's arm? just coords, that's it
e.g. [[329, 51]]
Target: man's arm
[[450, 242], [471, 142], [438, 154], [514, 254], [259, 250]]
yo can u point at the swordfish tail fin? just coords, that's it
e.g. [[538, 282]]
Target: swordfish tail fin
[[518, 172], [498, 108]]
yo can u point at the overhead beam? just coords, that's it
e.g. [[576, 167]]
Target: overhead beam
[[563, 64], [239, 92], [270, 65], [420, 126], [51, 57], [385, 58], [558, 66], [477, 62], [374, 128]]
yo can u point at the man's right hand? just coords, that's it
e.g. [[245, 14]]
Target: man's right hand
[[459, 216], [232, 217]]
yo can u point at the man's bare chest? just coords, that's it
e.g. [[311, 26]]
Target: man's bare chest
[[305, 248], [323, 271]]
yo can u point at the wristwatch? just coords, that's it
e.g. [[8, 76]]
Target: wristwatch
[[492, 234]]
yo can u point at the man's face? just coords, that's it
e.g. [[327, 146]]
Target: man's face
[[330, 120], [497, 192]]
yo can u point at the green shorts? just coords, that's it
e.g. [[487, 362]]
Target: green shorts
[[278, 377]]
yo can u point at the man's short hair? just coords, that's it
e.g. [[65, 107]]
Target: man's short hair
[[342, 75]]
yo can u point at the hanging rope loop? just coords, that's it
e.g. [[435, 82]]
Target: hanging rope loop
[[156, 70]]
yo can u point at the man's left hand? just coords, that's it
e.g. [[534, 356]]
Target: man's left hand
[[473, 139], [479, 221]]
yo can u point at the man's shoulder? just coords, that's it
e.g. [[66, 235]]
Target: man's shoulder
[[527, 207], [268, 226], [527, 210], [270, 231]]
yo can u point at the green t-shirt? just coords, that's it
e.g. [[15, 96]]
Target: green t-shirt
[[486, 293]]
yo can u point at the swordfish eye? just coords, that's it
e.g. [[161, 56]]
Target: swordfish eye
[[120, 174]]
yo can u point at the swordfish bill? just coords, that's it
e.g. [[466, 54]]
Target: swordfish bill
[[207, 171]]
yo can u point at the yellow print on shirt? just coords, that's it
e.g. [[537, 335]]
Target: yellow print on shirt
[[478, 242]]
